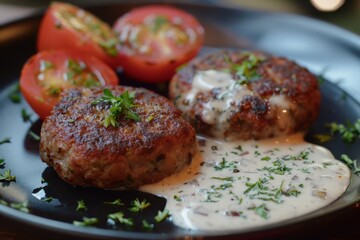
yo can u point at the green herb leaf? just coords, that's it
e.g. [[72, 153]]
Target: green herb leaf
[[138, 206], [20, 206], [120, 105], [81, 206], [7, 177], [146, 225], [5, 140], [116, 202], [162, 215], [2, 162], [119, 217], [26, 116], [15, 94], [349, 133], [47, 199], [350, 163], [34, 136], [323, 137], [86, 222], [261, 210]]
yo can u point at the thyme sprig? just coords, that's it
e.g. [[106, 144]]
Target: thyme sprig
[[349, 132]]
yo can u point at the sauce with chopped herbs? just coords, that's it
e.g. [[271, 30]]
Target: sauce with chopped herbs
[[242, 184]]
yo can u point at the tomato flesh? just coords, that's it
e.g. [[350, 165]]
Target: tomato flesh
[[65, 26], [155, 40], [48, 73]]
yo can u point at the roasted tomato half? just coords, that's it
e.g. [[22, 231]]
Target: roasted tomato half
[[46, 74], [66, 26], [155, 40]]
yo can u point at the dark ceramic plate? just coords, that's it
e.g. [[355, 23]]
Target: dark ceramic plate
[[316, 45]]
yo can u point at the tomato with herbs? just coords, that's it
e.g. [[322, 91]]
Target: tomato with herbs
[[155, 40], [48, 73], [65, 26]]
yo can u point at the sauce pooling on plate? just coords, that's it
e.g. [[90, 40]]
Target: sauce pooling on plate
[[242, 184]]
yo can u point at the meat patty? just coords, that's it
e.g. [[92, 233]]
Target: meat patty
[[84, 152], [235, 94]]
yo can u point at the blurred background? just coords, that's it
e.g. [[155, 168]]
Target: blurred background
[[344, 13]]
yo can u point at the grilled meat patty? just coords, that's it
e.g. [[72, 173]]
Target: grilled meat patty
[[237, 94], [75, 142]]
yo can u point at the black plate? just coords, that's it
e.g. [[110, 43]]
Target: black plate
[[314, 44]]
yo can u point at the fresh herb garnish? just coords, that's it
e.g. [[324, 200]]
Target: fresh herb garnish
[[20, 206], [162, 215], [120, 105], [261, 210], [15, 94], [2, 162], [86, 222], [223, 164], [146, 225], [350, 163], [247, 69], [138, 206], [81, 206], [7, 177], [323, 137], [26, 116], [5, 140], [34, 136], [158, 23], [47, 199], [119, 217], [348, 133], [116, 202]]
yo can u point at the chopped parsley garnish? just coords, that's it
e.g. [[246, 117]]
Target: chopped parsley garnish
[[138, 206], [7, 177], [116, 202], [5, 140], [15, 94], [146, 225], [247, 69], [86, 222], [162, 215], [26, 116], [349, 133], [261, 210], [223, 164], [119, 217], [120, 105], [47, 199], [81, 206], [34, 136], [351, 163], [323, 137], [177, 198], [20, 206]]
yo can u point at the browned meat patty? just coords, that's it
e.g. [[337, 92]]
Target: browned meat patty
[[84, 152], [237, 94]]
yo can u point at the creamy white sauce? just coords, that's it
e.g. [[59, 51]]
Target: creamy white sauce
[[242, 184], [227, 94]]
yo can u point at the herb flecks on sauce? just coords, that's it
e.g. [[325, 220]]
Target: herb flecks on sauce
[[235, 185], [121, 105]]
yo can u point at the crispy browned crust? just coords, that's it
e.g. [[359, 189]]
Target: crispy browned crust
[[83, 152], [254, 118]]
